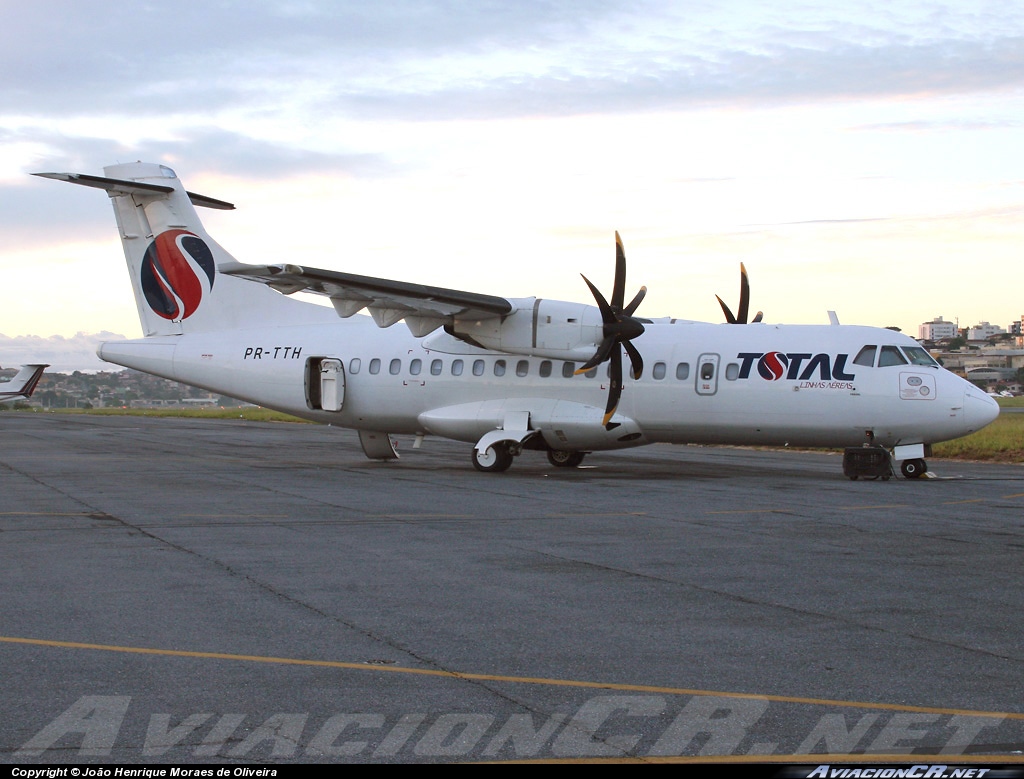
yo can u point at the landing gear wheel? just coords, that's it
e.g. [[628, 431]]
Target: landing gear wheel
[[913, 469], [561, 458], [494, 459]]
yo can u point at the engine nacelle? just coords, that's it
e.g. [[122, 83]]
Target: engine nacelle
[[539, 328]]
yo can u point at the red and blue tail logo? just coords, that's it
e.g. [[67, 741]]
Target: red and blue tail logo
[[177, 270]]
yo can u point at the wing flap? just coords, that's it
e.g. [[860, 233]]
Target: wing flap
[[425, 308]]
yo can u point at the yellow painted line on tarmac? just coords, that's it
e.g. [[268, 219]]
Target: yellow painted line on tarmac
[[421, 516], [1015, 495], [879, 506], [46, 513], [509, 679], [95, 513], [235, 516], [754, 511], [598, 514]]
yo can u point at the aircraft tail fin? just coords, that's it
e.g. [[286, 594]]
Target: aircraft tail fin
[[172, 260], [23, 384]]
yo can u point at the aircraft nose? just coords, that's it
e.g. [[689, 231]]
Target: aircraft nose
[[979, 409]]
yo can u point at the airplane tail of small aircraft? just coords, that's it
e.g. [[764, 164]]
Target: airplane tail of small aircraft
[[172, 260], [23, 384]]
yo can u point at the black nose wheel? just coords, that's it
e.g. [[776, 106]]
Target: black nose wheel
[[914, 469]]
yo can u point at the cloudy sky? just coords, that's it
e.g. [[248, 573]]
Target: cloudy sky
[[859, 157]]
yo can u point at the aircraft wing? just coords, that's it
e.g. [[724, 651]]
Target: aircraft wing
[[424, 308]]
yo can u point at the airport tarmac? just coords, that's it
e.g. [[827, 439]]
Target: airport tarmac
[[229, 592]]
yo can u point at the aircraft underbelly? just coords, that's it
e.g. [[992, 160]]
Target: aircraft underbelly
[[784, 416]]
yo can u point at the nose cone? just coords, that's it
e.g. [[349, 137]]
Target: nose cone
[[979, 409]]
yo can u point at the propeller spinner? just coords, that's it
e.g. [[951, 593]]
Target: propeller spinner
[[620, 327], [741, 316]]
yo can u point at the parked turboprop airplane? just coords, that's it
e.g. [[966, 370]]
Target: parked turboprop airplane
[[23, 384], [507, 374]]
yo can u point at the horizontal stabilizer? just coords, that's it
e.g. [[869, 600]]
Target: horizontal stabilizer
[[121, 187]]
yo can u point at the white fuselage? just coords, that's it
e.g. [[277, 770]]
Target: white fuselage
[[702, 383]]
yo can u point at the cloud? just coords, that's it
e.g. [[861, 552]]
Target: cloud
[[29, 215], [206, 146], [453, 60], [152, 57], [77, 353]]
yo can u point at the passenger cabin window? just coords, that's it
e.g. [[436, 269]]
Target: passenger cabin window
[[658, 372], [435, 368], [891, 355], [415, 367], [395, 367], [591, 373], [522, 367], [918, 356], [545, 369], [568, 369], [499, 367], [683, 371], [478, 367], [457, 367], [375, 366], [866, 356], [707, 371], [354, 365], [732, 371]]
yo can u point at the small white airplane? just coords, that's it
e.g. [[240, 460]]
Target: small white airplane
[[507, 374], [23, 384]]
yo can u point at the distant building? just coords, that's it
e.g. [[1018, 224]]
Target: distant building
[[983, 331], [991, 374], [936, 330]]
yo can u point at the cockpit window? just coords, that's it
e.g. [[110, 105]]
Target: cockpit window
[[866, 356], [918, 356], [891, 355]]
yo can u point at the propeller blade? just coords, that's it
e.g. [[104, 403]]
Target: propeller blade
[[602, 354], [619, 288], [758, 316], [635, 302], [727, 311], [614, 388], [607, 316], [635, 358], [741, 315]]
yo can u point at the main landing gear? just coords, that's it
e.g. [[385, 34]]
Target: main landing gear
[[498, 457], [560, 458]]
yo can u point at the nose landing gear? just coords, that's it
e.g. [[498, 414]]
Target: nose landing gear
[[913, 469]]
